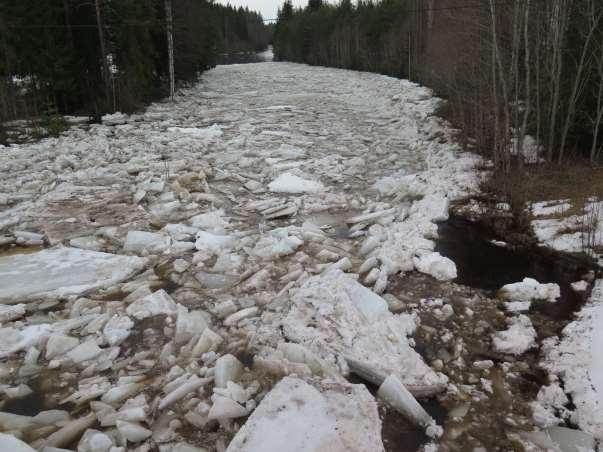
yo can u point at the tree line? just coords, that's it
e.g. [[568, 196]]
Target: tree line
[[517, 74], [102, 56]]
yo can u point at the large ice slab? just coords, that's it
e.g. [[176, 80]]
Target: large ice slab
[[336, 317], [59, 272], [297, 417]]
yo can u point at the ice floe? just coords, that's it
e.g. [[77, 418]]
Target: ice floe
[[60, 272]]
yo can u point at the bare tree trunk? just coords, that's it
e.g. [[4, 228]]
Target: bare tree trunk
[[558, 28], [599, 114], [528, 103], [170, 42], [503, 144], [495, 101], [598, 119], [538, 109], [101, 38], [515, 78]]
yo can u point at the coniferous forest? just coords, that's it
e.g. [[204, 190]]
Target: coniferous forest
[[102, 56], [516, 73]]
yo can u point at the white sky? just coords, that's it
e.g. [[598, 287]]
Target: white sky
[[267, 8]]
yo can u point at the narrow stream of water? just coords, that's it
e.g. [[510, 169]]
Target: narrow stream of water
[[463, 339]]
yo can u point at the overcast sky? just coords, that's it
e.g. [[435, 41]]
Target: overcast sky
[[268, 8]]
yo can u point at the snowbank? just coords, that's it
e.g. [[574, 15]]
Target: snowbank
[[577, 361]]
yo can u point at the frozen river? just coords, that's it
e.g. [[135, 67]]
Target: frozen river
[[216, 267]]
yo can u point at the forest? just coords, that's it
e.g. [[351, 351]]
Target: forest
[[521, 77], [103, 56]]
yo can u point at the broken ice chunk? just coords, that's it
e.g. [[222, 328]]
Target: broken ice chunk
[[528, 290], [432, 207], [121, 393], [11, 312], [188, 324], [85, 351], [18, 392], [214, 244], [235, 318], [94, 441], [580, 286], [191, 384], [296, 416], [58, 345], [517, 339], [436, 265], [12, 444], [365, 331], [59, 272], [225, 408], [149, 242], [277, 244], [228, 368], [208, 341], [133, 432], [395, 394], [13, 340], [157, 303], [289, 183], [213, 221], [117, 329], [70, 432]]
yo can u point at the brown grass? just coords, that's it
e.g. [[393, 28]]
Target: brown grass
[[577, 182]]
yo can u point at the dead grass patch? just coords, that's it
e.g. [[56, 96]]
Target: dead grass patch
[[577, 182]]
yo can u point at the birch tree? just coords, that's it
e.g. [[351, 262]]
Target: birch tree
[[170, 44]]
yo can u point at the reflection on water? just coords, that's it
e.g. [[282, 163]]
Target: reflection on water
[[246, 57], [482, 265]]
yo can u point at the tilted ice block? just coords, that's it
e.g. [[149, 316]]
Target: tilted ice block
[[297, 416], [60, 272], [228, 368]]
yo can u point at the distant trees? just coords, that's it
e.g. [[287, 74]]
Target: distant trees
[[100, 56], [240, 30], [508, 69]]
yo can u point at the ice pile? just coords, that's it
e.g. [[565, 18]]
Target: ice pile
[[336, 318], [191, 273]]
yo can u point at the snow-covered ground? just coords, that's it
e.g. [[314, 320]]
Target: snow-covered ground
[[574, 362], [582, 232], [262, 214]]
